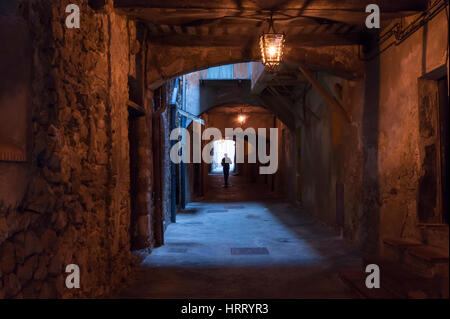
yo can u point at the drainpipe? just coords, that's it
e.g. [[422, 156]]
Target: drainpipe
[[183, 173], [175, 92], [173, 166]]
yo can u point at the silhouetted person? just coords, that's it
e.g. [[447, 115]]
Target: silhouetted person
[[226, 161]]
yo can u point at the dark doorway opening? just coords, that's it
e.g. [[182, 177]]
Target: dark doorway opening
[[433, 131], [137, 240], [159, 102]]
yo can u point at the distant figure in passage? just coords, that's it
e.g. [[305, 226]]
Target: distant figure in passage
[[226, 161]]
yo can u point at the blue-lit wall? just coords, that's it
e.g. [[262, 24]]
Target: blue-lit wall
[[228, 72], [191, 82]]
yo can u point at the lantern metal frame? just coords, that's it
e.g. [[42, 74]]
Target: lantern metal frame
[[275, 40]]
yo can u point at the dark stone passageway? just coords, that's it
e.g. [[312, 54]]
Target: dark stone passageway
[[340, 131], [201, 257], [240, 190]]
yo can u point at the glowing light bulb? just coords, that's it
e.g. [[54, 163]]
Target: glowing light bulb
[[272, 51], [241, 118]]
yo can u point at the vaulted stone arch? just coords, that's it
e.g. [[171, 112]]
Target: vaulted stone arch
[[165, 62]]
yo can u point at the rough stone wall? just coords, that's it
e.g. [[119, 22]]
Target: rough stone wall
[[76, 208], [331, 152], [142, 230], [400, 157], [166, 173]]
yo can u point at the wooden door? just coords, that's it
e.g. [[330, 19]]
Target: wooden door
[[157, 194], [429, 206]]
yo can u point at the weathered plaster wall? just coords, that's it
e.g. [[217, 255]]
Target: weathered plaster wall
[[285, 178], [399, 155], [377, 157], [76, 208], [331, 152], [192, 87], [192, 92]]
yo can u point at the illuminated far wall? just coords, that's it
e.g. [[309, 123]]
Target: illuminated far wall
[[220, 148]]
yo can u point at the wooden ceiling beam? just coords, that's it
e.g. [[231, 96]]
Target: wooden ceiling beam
[[237, 39], [293, 13], [303, 5]]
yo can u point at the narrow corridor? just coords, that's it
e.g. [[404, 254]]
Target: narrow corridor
[[222, 248], [115, 118]]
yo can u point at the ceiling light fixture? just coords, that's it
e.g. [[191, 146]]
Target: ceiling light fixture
[[241, 117], [271, 44]]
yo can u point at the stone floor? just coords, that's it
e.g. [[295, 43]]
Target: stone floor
[[300, 260]]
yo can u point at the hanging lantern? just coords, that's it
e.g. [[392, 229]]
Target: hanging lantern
[[271, 45], [241, 117]]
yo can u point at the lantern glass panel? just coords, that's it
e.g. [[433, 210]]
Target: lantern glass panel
[[271, 45]]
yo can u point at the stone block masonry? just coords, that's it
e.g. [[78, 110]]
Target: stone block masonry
[[76, 208]]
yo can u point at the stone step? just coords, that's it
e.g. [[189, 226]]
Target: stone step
[[356, 280], [395, 248], [423, 260], [401, 242], [435, 235], [427, 261], [429, 254]]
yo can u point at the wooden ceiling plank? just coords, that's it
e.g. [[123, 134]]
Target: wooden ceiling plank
[[241, 37], [177, 29], [347, 11], [191, 31], [387, 5], [165, 28]]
